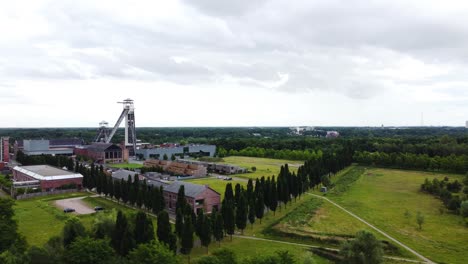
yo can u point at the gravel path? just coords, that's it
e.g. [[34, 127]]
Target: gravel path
[[75, 203]]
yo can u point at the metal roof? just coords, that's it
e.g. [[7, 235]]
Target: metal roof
[[47, 173], [191, 189], [98, 147], [123, 174]]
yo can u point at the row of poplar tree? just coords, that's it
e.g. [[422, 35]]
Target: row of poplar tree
[[136, 193]]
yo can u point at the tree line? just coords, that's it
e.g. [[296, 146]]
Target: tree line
[[133, 192], [453, 194], [452, 163]]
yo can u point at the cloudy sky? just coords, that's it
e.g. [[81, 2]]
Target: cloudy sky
[[234, 63]]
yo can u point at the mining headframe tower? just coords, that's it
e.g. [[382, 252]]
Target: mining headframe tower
[[128, 113]]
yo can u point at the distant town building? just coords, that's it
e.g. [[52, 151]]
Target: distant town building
[[4, 152], [158, 152], [48, 178], [103, 152], [332, 134], [178, 168]]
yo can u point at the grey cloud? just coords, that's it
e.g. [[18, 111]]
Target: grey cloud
[[314, 42]]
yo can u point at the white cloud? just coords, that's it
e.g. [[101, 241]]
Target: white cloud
[[266, 62]]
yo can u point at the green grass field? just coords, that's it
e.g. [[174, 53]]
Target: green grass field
[[126, 165], [245, 248], [381, 196], [265, 167], [38, 219], [218, 185]]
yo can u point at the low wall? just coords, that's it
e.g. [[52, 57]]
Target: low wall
[[31, 195]]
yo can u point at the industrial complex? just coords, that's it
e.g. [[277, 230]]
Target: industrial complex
[[172, 160]]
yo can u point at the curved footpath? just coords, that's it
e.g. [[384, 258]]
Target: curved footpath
[[426, 260]]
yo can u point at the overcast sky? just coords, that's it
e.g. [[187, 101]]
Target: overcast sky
[[234, 63]]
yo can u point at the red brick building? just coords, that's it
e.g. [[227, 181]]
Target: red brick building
[[103, 152], [4, 151], [178, 168], [198, 196], [49, 177]]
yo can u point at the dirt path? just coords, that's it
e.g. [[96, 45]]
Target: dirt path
[[376, 229], [75, 203]]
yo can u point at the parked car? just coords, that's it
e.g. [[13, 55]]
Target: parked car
[[68, 210], [98, 208], [228, 179]]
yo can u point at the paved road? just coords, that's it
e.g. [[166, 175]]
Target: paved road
[[376, 229], [311, 246], [75, 203]]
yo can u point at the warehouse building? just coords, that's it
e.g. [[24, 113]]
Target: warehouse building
[[52, 146], [32, 147], [47, 177]]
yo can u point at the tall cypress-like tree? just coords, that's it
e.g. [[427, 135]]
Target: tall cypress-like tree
[[280, 190], [228, 193], [124, 190], [206, 233], [199, 223], [122, 239], [273, 196], [110, 186], [117, 190], [179, 224], [237, 193], [164, 228], [250, 190], [241, 212], [218, 232], [144, 231], [187, 237], [266, 193], [259, 207], [229, 217], [181, 202], [252, 211]]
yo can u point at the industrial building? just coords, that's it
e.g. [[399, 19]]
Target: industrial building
[[48, 178], [47, 147], [103, 152], [216, 167], [177, 150], [4, 152], [178, 168]]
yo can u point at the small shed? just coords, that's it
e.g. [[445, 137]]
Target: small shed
[[323, 189]]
